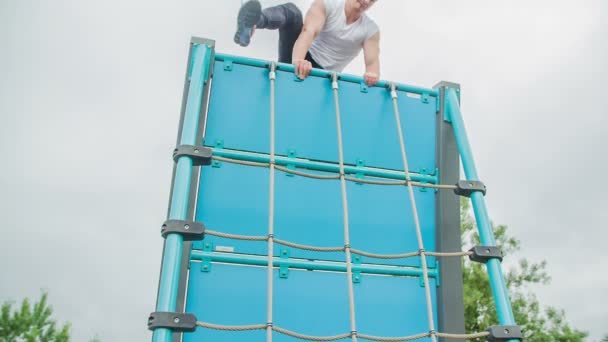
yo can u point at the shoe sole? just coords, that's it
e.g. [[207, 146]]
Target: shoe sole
[[249, 14]]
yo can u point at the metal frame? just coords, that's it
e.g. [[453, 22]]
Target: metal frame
[[497, 281], [452, 143], [207, 60], [450, 302]]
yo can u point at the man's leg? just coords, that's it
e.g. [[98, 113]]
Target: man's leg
[[287, 18]]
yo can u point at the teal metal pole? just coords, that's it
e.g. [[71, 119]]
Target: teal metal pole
[[304, 264], [170, 269], [322, 166], [486, 236]]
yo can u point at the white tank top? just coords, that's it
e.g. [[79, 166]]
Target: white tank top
[[338, 43]]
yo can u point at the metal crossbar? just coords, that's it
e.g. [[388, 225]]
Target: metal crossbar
[[336, 177]]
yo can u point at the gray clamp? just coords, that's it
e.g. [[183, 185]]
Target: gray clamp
[[467, 187], [178, 322], [504, 333], [484, 253], [190, 230], [200, 155]]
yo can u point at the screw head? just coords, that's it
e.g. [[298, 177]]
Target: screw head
[[186, 227], [176, 320]]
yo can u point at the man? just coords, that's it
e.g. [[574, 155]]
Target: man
[[331, 36]]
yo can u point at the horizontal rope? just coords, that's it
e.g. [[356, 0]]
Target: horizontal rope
[[463, 336], [309, 248], [337, 337], [241, 162], [306, 174], [450, 254], [308, 337], [394, 339], [385, 256], [334, 249], [376, 182], [231, 327], [324, 177], [236, 237]]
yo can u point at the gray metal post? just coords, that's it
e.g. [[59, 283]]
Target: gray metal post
[[450, 302]]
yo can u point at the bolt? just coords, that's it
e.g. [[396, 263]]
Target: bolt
[[176, 320], [205, 267], [186, 227], [488, 251], [196, 150], [506, 331]]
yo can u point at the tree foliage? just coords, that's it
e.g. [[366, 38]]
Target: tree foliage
[[538, 323], [31, 323]]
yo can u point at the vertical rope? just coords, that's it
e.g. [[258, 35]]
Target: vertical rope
[[349, 270], [415, 214], [272, 77]]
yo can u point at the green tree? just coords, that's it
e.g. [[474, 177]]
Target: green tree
[[605, 339], [31, 323], [539, 324]]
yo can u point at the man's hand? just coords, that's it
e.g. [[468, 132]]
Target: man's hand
[[371, 78], [303, 68]]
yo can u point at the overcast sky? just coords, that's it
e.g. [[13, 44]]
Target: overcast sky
[[90, 93]]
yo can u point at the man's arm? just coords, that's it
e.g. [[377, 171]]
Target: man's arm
[[371, 52], [313, 24]]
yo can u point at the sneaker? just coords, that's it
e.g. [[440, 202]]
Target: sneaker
[[249, 14]]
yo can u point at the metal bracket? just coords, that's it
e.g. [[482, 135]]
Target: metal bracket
[[219, 144], [363, 87], [504, 333], [291, 154], [360, 165], [200, 155], [423, 171], [482, 254], [356, 270], [425, 98], [206, 261], [284, 266], [228, 65], [467, 187], [189, 230], [178, 322]]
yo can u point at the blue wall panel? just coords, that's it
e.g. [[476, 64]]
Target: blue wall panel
[[312, 303], [234, 199]]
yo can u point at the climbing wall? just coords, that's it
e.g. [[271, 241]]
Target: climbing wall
[[318, 209], [228, 282]]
